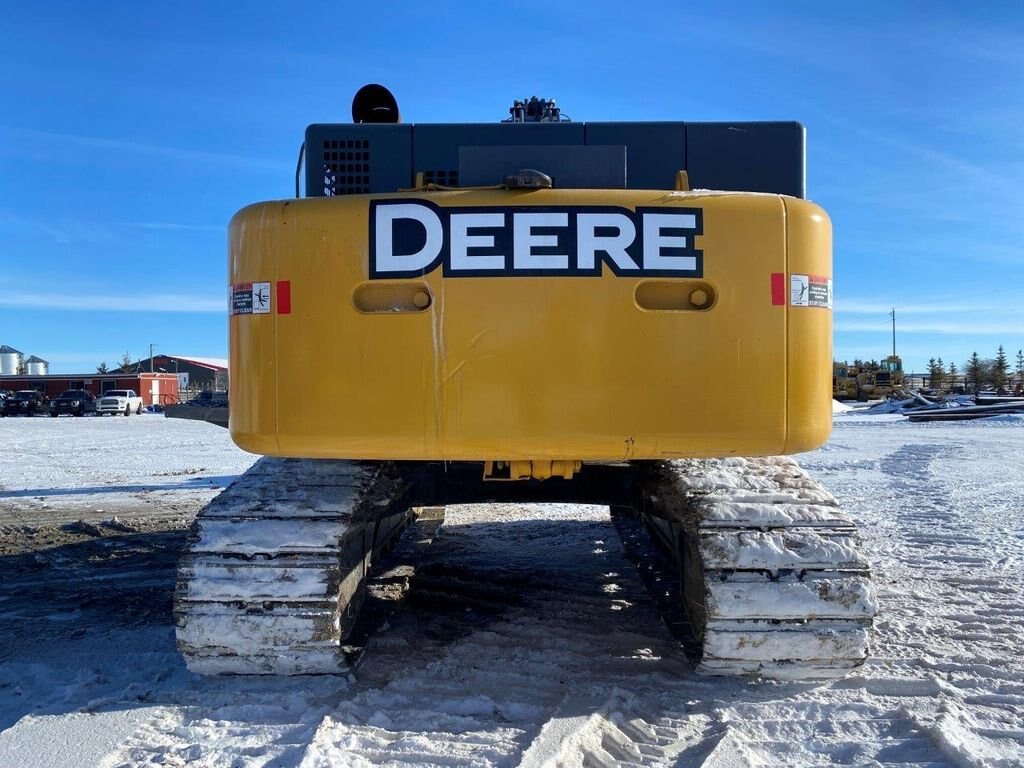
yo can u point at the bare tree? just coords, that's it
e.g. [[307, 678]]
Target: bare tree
[[102, 367]]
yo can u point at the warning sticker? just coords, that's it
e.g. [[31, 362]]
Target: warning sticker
[[810, 291], [249, 299]]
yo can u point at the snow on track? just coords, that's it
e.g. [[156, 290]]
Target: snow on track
[[527, 638]]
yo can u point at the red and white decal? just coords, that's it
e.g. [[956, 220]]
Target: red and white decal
[[810, 291], [256, 298]]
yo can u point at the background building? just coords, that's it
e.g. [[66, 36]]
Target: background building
[[195, 374], [155, 388]]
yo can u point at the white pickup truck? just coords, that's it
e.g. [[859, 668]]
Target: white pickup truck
[[117, 401]]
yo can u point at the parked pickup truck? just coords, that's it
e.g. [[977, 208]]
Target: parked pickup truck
[[25, 402], [76, 402], [117, 401]]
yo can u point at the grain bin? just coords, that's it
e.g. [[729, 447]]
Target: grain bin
[[36, 366], [10, 361]]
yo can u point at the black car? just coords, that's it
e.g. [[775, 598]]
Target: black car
[[76, 402], [26, 402]]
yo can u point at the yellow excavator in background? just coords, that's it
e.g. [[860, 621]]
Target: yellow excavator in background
[[884, 381], [844, 381], [865, 383], [462, 313]]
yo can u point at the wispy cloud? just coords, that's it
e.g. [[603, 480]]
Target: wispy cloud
[[65, 230], [58, 229], [162, 302], [989, 43], [169, 226], [956, 327], [874, 307], [999, 179], [1002, 306], [173, 153], [998, 312]]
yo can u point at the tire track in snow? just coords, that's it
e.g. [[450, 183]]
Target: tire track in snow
[[946, 660], [515, 625], [533, 640], [483, 685]]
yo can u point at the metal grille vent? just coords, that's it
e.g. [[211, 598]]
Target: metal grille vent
[[442, 178], [346, 166]]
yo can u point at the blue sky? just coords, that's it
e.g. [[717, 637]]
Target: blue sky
[[130, 133]]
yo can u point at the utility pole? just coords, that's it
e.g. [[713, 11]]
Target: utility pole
[[151, 352], [893, 313]]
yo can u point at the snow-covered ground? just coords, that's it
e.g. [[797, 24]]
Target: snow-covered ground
[[96, 468], [526, 638]]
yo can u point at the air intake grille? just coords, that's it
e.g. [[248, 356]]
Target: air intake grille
[[442, 178], [346, 166]]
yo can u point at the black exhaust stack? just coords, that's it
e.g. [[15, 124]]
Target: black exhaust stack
[[375, 104]]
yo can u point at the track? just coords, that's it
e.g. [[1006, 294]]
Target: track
[[275, 571], [772, 575], [770, 569]]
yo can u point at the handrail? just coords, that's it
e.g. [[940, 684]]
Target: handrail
[[298, 167]]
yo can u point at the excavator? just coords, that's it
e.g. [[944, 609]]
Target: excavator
[[844, 381], [535, 309]]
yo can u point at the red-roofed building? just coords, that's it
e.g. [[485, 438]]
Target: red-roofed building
[[154, 388], [194, 373]]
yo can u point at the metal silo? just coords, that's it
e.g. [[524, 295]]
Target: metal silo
[[10, 361], [36, 366]]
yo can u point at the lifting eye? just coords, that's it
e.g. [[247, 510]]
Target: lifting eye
[[675, 296], [389, 298]]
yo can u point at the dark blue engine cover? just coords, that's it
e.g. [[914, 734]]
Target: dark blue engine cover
[[349, 158]]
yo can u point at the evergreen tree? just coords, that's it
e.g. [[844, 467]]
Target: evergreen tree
[[1020, 363], [1000, 370], [974, 371], [953, 373], [126, 362], [940, 370], [102, 367], [932, 373]]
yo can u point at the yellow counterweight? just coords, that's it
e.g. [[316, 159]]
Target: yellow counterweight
[[545, 325]]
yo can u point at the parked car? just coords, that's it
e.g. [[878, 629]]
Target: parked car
[[26, 402], [117, 401], [209, 398], [75, 402]]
